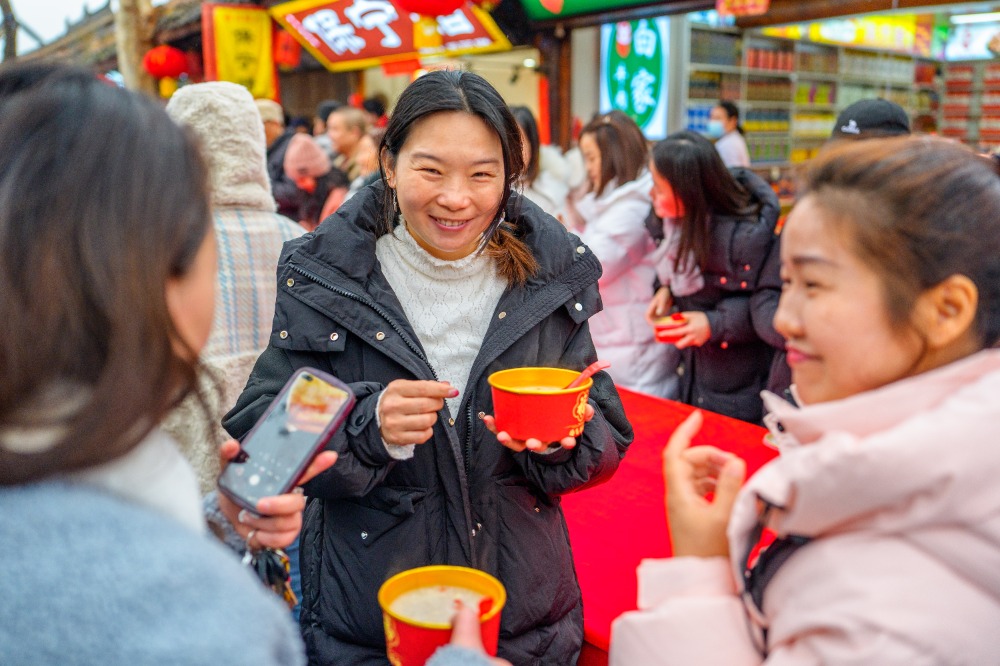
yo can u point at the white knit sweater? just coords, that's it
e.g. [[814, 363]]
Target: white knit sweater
[[448, 303]]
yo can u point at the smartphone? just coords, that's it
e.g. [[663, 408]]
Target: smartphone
[[296, 426]]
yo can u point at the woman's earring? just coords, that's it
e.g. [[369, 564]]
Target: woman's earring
[[395, 204]]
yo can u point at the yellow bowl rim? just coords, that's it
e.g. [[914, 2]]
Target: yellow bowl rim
[[497, 606], [563, 391]]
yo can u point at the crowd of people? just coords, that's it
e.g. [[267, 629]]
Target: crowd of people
[[213, 249]]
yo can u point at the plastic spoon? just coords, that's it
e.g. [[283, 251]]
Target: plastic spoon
[[589, 371]]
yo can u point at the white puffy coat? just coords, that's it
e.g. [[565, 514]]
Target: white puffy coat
[[613, 226]]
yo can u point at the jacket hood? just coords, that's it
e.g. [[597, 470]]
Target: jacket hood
[[917, 458], [225, 119], [761, 194], [592, 206]]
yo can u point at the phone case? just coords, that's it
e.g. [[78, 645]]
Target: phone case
[[295, 427]]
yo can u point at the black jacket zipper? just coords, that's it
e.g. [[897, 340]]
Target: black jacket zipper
[[374, 306]]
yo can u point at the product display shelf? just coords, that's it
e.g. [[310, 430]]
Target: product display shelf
[[970, 110], [790, 91]]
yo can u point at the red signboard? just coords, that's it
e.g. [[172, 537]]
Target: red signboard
[[354, 34], [742, 7]]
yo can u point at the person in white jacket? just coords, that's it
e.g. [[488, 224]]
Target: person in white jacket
[[611, 220], [546, 173], [883, 500]]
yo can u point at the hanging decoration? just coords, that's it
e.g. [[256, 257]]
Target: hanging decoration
[[239, 47], [486, 5], [742, 7], [168, 86], [429, 7], [165, 61], [287, 51]]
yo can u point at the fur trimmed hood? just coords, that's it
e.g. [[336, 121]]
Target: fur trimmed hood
[[225, 119]]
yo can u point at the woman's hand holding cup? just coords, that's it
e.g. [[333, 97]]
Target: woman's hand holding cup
[[531, 444]]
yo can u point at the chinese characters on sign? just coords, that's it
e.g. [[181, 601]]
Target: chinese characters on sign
[[635, 69], [742, 7], [353, 34], [238, 47]]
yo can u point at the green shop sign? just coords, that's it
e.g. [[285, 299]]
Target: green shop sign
[[633, 69], [544, 10]]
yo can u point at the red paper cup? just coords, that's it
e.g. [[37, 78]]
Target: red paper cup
[[531, 402], [664, 327], [410, 642]]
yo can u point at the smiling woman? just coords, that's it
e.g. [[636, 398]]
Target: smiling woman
[[417, 290], [448, 196]]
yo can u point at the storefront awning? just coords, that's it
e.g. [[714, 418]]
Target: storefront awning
[[800, 11]]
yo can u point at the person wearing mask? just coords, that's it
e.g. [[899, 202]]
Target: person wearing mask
[[883, 504], [116, 563], [611, 219], [725, 129], [725, 222], [414, 292]]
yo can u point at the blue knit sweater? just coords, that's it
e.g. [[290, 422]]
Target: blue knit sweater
[[90, 579]]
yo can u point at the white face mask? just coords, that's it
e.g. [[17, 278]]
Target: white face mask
[[715, 129]]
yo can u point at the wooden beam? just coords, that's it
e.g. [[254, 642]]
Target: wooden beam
[[797, 11]]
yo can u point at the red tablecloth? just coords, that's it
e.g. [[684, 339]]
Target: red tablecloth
[[615, 525]]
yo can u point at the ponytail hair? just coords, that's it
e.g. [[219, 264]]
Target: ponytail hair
[[732, 111]]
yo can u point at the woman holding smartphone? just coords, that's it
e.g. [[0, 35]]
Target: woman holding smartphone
[[108, 263], [414, 293]]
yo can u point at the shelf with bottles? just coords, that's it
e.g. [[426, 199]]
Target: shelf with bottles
[[815, 93], [768, 90], [767, 149], [710, 48], [970, 105], [877, 67], [704, 85], [850, 93], [806, 83], [768, 56]]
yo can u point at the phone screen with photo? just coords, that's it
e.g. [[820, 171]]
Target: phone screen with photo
[[301, 419]]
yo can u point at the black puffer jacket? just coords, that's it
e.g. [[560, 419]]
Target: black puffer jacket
[[463, 498], [728, 372]]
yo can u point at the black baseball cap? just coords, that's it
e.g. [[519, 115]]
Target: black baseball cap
[[870, 118]]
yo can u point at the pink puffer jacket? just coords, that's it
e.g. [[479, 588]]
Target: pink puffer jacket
[[899, 489]]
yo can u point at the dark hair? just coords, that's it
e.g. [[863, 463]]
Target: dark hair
[[453, 90], [732, 111], [326, 107], [374, 106], [917, 210], [705, 187], [526, 121], [103, 199], [622, 145]]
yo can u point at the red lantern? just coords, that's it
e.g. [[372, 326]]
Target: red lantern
[[429, 7], [165, 61], [287, 51]]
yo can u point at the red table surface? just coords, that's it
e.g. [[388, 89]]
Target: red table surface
[[616, 524]]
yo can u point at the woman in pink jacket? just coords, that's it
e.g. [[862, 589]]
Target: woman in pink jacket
[[884, 500]]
